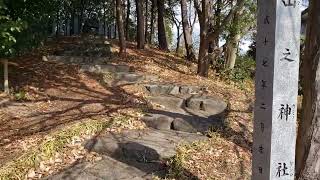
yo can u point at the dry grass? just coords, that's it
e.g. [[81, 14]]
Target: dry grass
[[213, 159]]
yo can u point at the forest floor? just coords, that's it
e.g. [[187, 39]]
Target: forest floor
[[54, 108]]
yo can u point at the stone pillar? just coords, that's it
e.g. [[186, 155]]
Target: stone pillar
[[278, 46]]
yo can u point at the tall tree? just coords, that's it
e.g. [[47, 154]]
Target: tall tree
[[162, 37], [243, 20], [308, 141], [203, 14], [209, 33], [140, 25], [146, 33], [187, 31], [128, 19], [122, 42], [152, 20]]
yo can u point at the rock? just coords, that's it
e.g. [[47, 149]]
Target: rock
[[184, 90], [163, 142], [158, 89], [170, 103], [181, 125], [160, 123], [151, 78], [106, 68], [133, 154], [128, 77], [206, 103], [175, 90], [152, 88]]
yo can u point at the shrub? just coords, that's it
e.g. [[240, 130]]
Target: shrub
[[244, 69]]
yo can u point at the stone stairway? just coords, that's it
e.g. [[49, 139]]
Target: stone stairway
[[133, 154], [181, 114]]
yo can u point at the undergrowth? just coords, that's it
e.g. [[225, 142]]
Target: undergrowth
[[243, 71]]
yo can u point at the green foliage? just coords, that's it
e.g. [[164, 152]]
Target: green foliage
[[20, 96], [8, 28], [243, 70], [24, 24]]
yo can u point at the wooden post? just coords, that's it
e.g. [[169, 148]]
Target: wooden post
[[6, 76]]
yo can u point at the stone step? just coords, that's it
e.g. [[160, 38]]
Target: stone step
[[111, 169], [162, 89], [85, 49], [141, 145], [106, 68], [77, 60], [133, 154], [187, 113], [4, 101], [127, 78]]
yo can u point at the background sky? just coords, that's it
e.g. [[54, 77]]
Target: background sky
[[245, 42]]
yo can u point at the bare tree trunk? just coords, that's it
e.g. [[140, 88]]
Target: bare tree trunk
[[162, 38], [128, 20], [218, 20], [232, 43], [308, 141], [109, 32], [232, 49], [122, 42], [104, 19], [203, 13], [146, 34], [187, 31], [81, 16], [6, 76], [203, 64], [140, 24], [152, 20], [178, 38]]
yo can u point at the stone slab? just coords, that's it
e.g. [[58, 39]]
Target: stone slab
[[77, 60], [106, 68], [173, 89], [158, 122], [149, 144], [133, 154]]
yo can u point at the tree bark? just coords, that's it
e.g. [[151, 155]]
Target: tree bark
[[122, 43], [146, 34], [308, 141], [81, 16], [140, 24], [233, 42], [178, 38], [187, 31], [152, 20], [128, 20], [218, 19], [232, 49], [162, 38], [104, 19], [203, 14]]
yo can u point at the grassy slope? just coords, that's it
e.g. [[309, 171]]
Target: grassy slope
[[225, 156]]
